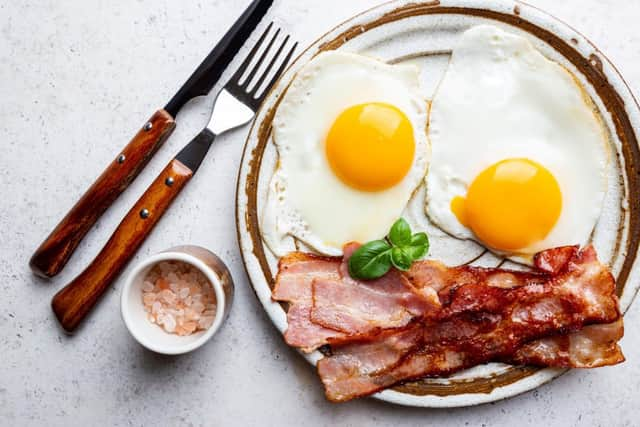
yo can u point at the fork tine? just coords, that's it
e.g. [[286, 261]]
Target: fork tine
[[277, 74], [257, 85], [256, 67], [245, 64]]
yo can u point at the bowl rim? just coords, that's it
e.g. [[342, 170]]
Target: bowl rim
[[172, 255]]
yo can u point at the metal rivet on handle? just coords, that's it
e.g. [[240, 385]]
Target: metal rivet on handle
[[148, 126], [169, 181], [144, 213], [122, 158]]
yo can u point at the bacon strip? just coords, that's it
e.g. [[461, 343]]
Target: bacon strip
[[480, 323], [328, 306], [296, 273], [363, 308], [354, 369], [592, 347]]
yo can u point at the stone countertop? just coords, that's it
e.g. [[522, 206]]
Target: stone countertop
[[76, 79]]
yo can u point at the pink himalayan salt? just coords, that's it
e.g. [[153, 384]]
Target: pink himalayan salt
[[178, 298]]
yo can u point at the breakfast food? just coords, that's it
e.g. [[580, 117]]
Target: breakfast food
[[178, 298], [352, 148], [520, 166], [327, 306], [519, 152], [563, 314], [592, 347]]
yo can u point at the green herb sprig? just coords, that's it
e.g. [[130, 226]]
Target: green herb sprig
[[399, 249]]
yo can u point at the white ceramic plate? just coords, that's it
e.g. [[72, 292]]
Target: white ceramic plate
[[424, 33]]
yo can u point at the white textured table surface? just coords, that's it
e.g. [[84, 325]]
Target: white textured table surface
[[77, 78]]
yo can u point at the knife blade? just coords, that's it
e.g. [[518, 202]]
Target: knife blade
[[54, 253]]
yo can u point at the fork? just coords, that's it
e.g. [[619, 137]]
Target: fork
[[235, 106]]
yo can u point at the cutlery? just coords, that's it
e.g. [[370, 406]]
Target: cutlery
[[52, 255], [235, 106]]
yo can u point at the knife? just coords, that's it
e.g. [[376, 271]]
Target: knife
[[52, 255]]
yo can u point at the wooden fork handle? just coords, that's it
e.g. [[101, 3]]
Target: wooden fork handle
[[53, 254], [74, 302]]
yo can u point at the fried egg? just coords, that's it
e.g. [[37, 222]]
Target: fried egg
[[352, 147], [519, 150]]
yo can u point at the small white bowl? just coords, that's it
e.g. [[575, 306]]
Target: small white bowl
[[152, 336]]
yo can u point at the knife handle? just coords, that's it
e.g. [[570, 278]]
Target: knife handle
[[53, 254], [75, 300]]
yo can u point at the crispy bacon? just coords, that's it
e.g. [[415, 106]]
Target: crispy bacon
[[480, 323], [436, 275], [328, 306], [553, 261], [363, 308], [435, 320], [355, 369], [296, 273], [592, 347]]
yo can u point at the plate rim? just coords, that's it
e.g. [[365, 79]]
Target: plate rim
[[542, 20]]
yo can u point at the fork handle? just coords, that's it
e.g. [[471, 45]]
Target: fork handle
[[75, 300], [52, 255]]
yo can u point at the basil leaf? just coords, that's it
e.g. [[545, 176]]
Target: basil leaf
[[400, 234], [370, 261], [401, 259], [418, 247]]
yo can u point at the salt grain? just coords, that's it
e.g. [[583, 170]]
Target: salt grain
[[168, 296], [169, 323], [156, 306], [148, 298], [198, 307], [178, 298]]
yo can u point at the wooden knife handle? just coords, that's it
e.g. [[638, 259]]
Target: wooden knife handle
[[75, 300], [53, 254]]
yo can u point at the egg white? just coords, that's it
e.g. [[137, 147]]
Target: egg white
[[306, 200], [501, 98]]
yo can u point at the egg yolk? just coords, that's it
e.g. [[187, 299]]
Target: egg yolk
[[510, 205], [370, 147]]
